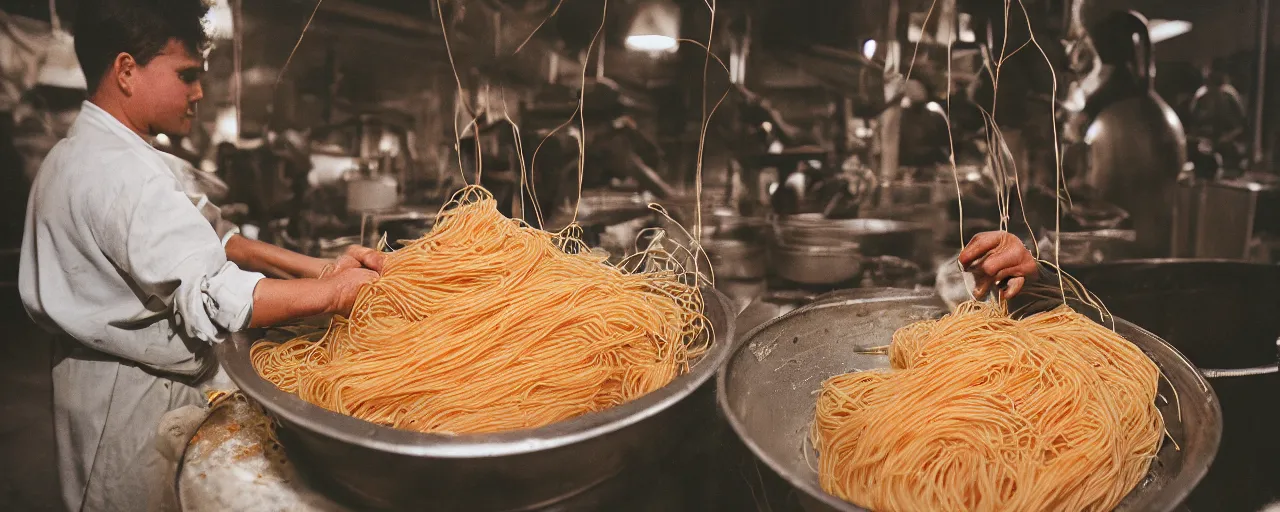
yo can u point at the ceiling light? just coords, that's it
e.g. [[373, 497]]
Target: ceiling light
[[1164, 30], [869, 48], [655, 28], [652, 43]]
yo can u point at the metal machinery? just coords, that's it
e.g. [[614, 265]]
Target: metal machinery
[[1135, 143], [1236, 219], [623, 168]]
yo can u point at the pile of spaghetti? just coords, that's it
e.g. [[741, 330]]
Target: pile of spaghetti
[[983, 412], [487, 325]]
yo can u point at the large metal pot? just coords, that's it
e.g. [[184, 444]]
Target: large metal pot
[[767, 392], [372, 466]]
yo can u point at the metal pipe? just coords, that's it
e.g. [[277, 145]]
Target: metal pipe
[[600, 56], [1212, 373], [1264, 17], [746, 52], [237, 72], [890, 119]]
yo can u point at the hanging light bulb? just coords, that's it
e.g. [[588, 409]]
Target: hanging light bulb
[[218, 22], [227, 126], [1164, 30], [655, 28], [61, 68]]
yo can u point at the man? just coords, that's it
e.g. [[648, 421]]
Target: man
[[129, 274]]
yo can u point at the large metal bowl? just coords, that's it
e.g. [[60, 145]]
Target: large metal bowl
[[767, 392], [375, 467]]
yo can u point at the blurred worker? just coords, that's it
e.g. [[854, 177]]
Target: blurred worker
[[924, 128], [1217, 116], [132, 276]]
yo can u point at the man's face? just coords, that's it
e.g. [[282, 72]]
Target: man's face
[[167, 90]]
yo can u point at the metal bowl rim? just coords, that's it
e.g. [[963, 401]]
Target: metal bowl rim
[[358, 432], [1179, 495], [845, 249], [857, 225]]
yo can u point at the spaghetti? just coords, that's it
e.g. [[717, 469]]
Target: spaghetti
[[980, 411], [487, 325]]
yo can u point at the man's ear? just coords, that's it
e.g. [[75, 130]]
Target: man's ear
[[124, 70]]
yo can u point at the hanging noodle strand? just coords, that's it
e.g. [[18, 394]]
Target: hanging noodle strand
[[983, 412], [486, 325]]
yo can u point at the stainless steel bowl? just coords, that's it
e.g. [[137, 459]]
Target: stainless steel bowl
[[767, 392], [817, 264], [373, 466]]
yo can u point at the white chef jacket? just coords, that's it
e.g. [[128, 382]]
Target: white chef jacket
[[120, 264]]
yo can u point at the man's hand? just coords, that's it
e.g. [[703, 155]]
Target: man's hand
[[997, 256], [357, 257], [344, 286]]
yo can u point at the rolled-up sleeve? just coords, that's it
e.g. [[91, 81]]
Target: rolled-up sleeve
[[174, 257]]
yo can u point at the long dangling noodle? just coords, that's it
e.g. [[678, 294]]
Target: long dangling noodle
[[487, 325], [980, 411]]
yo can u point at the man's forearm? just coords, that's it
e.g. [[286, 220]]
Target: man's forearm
[[277, 301], [270, 260]]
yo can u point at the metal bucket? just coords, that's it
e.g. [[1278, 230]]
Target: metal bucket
[[768, 387], [375, 467], [1225, 316]]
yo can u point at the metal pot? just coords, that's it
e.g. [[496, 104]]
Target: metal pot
[[1087, 247], [817, 264], [735, 259], [373, 466], [767, 389], [733, 227]]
